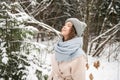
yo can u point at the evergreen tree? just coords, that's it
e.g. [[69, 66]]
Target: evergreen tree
[[16, 48]]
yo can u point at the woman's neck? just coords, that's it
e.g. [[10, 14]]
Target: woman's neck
[[65, 38]]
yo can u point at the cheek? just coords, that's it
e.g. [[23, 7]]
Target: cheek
[[69, 31], [65, 32]]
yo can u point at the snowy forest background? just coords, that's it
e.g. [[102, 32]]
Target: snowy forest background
[[30, 28]]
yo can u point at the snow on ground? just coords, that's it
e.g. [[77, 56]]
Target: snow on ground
[[109, 68], [106, 71]]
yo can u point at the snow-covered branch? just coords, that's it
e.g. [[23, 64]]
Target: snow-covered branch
[[91, 43], [23, 16], [117, 25], [98, 50], [42, 6], [105, 19]]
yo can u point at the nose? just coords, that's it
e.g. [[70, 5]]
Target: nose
[[63, 28]]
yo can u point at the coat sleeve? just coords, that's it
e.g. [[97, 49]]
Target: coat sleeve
[[55, 74], [78, 68], [50, 76]]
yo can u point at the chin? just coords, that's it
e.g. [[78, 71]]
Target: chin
[[64, 34]]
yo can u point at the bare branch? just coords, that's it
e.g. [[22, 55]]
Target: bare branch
[[105, 19], [91, 43], [42, 8], [57, 17], [23, 16], [97, 53]]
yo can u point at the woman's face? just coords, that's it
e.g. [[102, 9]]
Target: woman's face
[[66, 29]]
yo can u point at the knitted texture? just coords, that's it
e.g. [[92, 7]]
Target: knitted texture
[[68, 50], [79, 25]]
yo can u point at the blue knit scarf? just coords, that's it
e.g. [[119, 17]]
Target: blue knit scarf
[[68, 50]]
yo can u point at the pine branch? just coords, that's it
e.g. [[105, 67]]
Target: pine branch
[[31, 19]]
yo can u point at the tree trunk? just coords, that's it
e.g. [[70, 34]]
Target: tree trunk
[[86, 36]]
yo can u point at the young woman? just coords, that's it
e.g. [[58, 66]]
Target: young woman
[[69, 60]]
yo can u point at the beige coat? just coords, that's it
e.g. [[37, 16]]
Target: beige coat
[[72, 70]]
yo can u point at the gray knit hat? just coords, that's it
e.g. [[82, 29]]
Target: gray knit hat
[[79, 25]]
